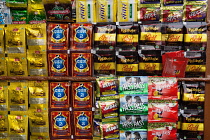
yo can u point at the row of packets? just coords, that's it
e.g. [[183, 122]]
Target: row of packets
[[145, 11], [128, 37]]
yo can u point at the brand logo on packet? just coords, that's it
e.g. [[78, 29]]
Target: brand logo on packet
[[59, 93], [58, 64], [61, 11], [82, 11], [150, 15], [102, 11], [58, 33], [124, 10], [82, 93], [83, 121], [81, 64], [60, 122], [81, 34]]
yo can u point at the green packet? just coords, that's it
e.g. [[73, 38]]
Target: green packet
[[136, 104], [36, 14], [133, 122], [16, 3], [19, 16], [133, 83]]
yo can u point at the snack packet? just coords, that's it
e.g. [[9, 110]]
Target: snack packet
[[140, 135], [108, 109], [149, 13], [172, 15], [16, 4], [3, 65], [4, 96], [4, 128], [110, 130], [19, 16], [36, 14]]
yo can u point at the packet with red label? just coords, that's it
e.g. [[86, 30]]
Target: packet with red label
[[172, 54], [110, 130], [149, 13], [81, 36], [164, 131], [162, 88], [162, 111]]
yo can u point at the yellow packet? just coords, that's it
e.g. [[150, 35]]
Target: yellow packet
[[3, 96], [127, 10], [15, 38], [37, 62], [36, 36], [85, 11], [18, 127], [38, 92], [39, 138], [17, 65], [3, 67], [3, 125], [38, 120], [106, 10], [1, 39], [18, 96]]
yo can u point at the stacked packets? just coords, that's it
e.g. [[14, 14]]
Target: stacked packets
[[133, 107]]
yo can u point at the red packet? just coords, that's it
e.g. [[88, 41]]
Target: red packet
[[162, 131], [172, 54], [162, 111], [162, 88], [81, 64], [82, 94], [83, 123], [59, 95], [58, 64], [58, 35], [60, 123], [81, 35]]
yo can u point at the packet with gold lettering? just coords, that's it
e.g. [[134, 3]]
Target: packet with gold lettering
[[58, 64], [82, 94], [4, 96], [104, 63], [37, 63], [150, 63], [19, 16], [196, 66], [2, 39], [172, 36], [18, 126], [81, 36], [85, 11], [172, 3], [39, 138], [195, 11], [127, 10], [171, 15], [59, 95], [4, 125], [127, 37], [17, 65], [107, 10], [83, 123], [57, 36], [36, 36], [127, 63], [15, 38], [193, 91], [16, 4], [165, 130], [38, 120], [150, 36], [149, 13], [195, 37], [3, 65], [60, 123], [36, 13], [38, 92], [18, 96], [81, 64], [105, 37], [109, 130], [58, 10]]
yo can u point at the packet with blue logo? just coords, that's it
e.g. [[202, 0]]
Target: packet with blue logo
[[82, 94], [38, 92], [81, 36], [59, 95], [133, 122], [133, 83], [58, 64], [60, 123], [133, 135], [58, 36], [83, 123], [81, 64]]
